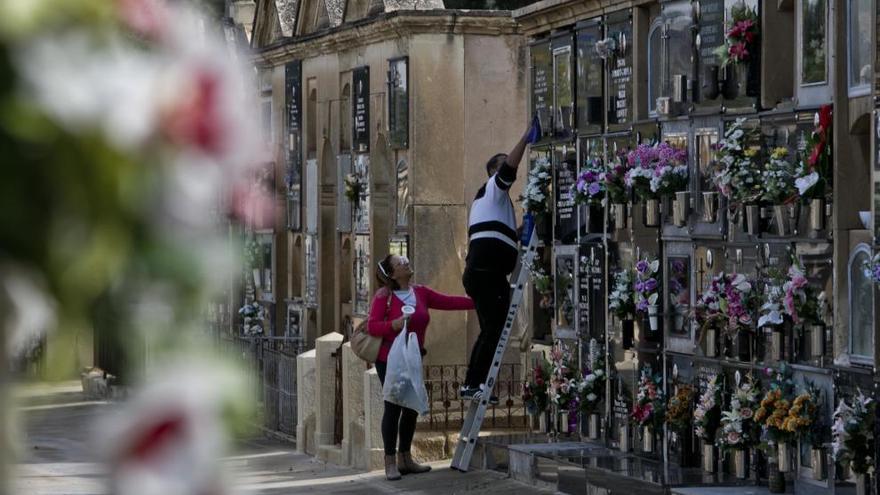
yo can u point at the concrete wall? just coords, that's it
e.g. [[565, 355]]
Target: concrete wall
[[465, 91], [305, 404]]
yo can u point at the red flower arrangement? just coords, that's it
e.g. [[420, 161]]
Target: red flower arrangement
[[740, 39]]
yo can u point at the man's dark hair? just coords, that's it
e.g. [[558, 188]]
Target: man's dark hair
[[495, 162]]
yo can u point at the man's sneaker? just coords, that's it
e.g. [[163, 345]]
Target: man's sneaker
[[475, 393]]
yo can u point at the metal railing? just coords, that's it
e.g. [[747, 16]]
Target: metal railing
[[446, 409], [271, 374]]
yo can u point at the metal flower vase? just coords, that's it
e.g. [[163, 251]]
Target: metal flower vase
[[652, 213], [739, 463], [647, 439], [777, 342], [785, 217], [654, 317], [862, 483], [711, 339], [544, 422], [625, 442], [817, 340], [710, 207], [680, 208], [618, 212], [562, 425], [752, 218], [817, 214], [708, 457], [818, 463], [783, 457], [593, 426]]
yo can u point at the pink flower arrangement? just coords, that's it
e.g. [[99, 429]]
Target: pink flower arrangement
[[800, 301], [727, 305]]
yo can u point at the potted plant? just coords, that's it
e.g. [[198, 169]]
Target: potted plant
[[779, 190], [813, 177], [649, 410], [647, 291], [801, 416], [591, 388], [706, 419], [802, 303], [671, 181], [852, 437], [534, 394], [622, 304], [739, 429], [737, 173]]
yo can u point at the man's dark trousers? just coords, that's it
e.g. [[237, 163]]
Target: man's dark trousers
[[490, 291]]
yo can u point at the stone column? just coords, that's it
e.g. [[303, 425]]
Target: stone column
[[325, 387], [374, 407], [353, 369], [305, 402]]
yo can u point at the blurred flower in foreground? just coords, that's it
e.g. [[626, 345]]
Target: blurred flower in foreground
[[128, 139], [169, 438]]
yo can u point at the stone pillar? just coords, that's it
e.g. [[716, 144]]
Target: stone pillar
[[325, 387], [305, 402], [353, 369], [374, 407]]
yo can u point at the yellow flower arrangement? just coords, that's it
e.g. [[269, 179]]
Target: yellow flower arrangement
[[752, 151], [801, 415]]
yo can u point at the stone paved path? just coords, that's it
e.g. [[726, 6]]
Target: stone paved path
[[57, 458]]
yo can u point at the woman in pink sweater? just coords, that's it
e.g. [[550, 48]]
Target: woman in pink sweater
[[386, 320]]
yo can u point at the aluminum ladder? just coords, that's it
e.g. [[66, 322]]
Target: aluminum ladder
[[470, 430]]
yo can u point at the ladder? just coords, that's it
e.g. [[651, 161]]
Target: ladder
[[470, 430]]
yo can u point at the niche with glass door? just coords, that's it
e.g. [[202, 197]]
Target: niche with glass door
[[670, 60]]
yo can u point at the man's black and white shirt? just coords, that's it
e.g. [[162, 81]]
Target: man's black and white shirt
[[492, 225]]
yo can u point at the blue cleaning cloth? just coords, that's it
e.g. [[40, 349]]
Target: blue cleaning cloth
[[535, 132]]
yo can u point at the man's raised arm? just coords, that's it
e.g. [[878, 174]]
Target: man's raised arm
[[531, 135]]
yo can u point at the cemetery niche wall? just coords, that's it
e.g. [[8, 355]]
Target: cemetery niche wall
[[690, 271]]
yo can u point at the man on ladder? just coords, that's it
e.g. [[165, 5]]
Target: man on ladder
[[492, 256]]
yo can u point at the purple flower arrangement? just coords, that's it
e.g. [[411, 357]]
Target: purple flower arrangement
[[590, 185], [727, 305], [656, 170], [647, 288]]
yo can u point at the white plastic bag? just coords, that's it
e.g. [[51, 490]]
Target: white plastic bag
[[404, 384]]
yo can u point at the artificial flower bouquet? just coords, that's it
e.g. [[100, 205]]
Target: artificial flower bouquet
[[536, 194], [649, 410], [590, 186], [707, 414], [534, 393], [740, 429], [591, 387], [852, 433], [727, 305]]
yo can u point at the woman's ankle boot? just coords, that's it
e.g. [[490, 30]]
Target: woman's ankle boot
[[391, 471], [407, 465]]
